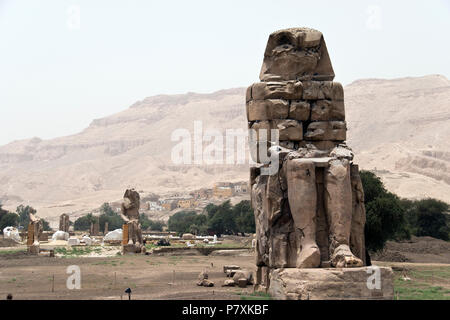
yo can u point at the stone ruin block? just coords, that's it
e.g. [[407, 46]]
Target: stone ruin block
[[299, 110], [326, 130], [319, 90], [267, 109], [327, 110], [292, 90], [288, 129]]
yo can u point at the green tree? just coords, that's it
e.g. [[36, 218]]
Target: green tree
[[221, 219], [10, 219], [372, 185], [107, 214], [156, 225], [84, 223], [46, 225], [385, 214], [24, 215], [245, 219], [428, 217], [181, 221], [2, 212]]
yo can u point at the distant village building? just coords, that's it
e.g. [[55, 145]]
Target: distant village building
[[228, 189], [203, 194], [187, 203], [223, 190], [154, 206], [241, 188], [169, 204]]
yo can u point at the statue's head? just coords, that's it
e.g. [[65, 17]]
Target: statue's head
[[296, 54], [131, 198]]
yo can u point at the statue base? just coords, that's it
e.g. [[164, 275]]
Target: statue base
[[364, 283], [132, 248], [33, 249]]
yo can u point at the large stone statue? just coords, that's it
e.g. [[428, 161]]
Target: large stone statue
[[132, 234], [35, 229], [309, 208]]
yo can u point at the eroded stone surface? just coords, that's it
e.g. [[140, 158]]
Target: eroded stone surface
[[309, 213], [132, 234], [296, 53], [332, 284]]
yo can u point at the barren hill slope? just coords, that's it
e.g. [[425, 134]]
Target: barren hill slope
[[400, 127]]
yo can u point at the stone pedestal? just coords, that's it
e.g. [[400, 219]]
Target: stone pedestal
[[33, 249], [364, 283], [131, 248]]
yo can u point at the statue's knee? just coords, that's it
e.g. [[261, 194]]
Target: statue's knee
[[300, 169]]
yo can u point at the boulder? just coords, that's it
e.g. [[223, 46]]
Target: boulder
[[243, 274], [11, 233], [60, 235], [114, 235], [205, 283], [242, 283], [230, 267], [87, 240], [188, 236], [73, 242], [228, 283], [203, 275]]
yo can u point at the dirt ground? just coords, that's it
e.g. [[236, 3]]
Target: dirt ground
[[421, 269], [418, 249], [149, 277]]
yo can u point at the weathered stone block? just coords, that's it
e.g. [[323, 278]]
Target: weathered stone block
[[230, 267], [287, 130], [248, 94], [290, 130], [242, 283], [317, 90], [332, 284], [326, 110], [299, 110], [296, 53], [324, 145], [326, 130], [267, 109], [277, 90], [243, 274]]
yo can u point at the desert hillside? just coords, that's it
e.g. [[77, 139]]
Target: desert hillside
[[399, 127]]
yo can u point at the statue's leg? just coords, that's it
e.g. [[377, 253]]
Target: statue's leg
[[338, 204], [302, 194], [139, 233]]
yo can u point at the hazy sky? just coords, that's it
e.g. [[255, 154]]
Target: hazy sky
[[64, 63]]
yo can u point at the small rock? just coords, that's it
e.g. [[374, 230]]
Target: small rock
[[230, 267], [243, 274], [228, 283], [203, 275], [242, 283], [205, 283]]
